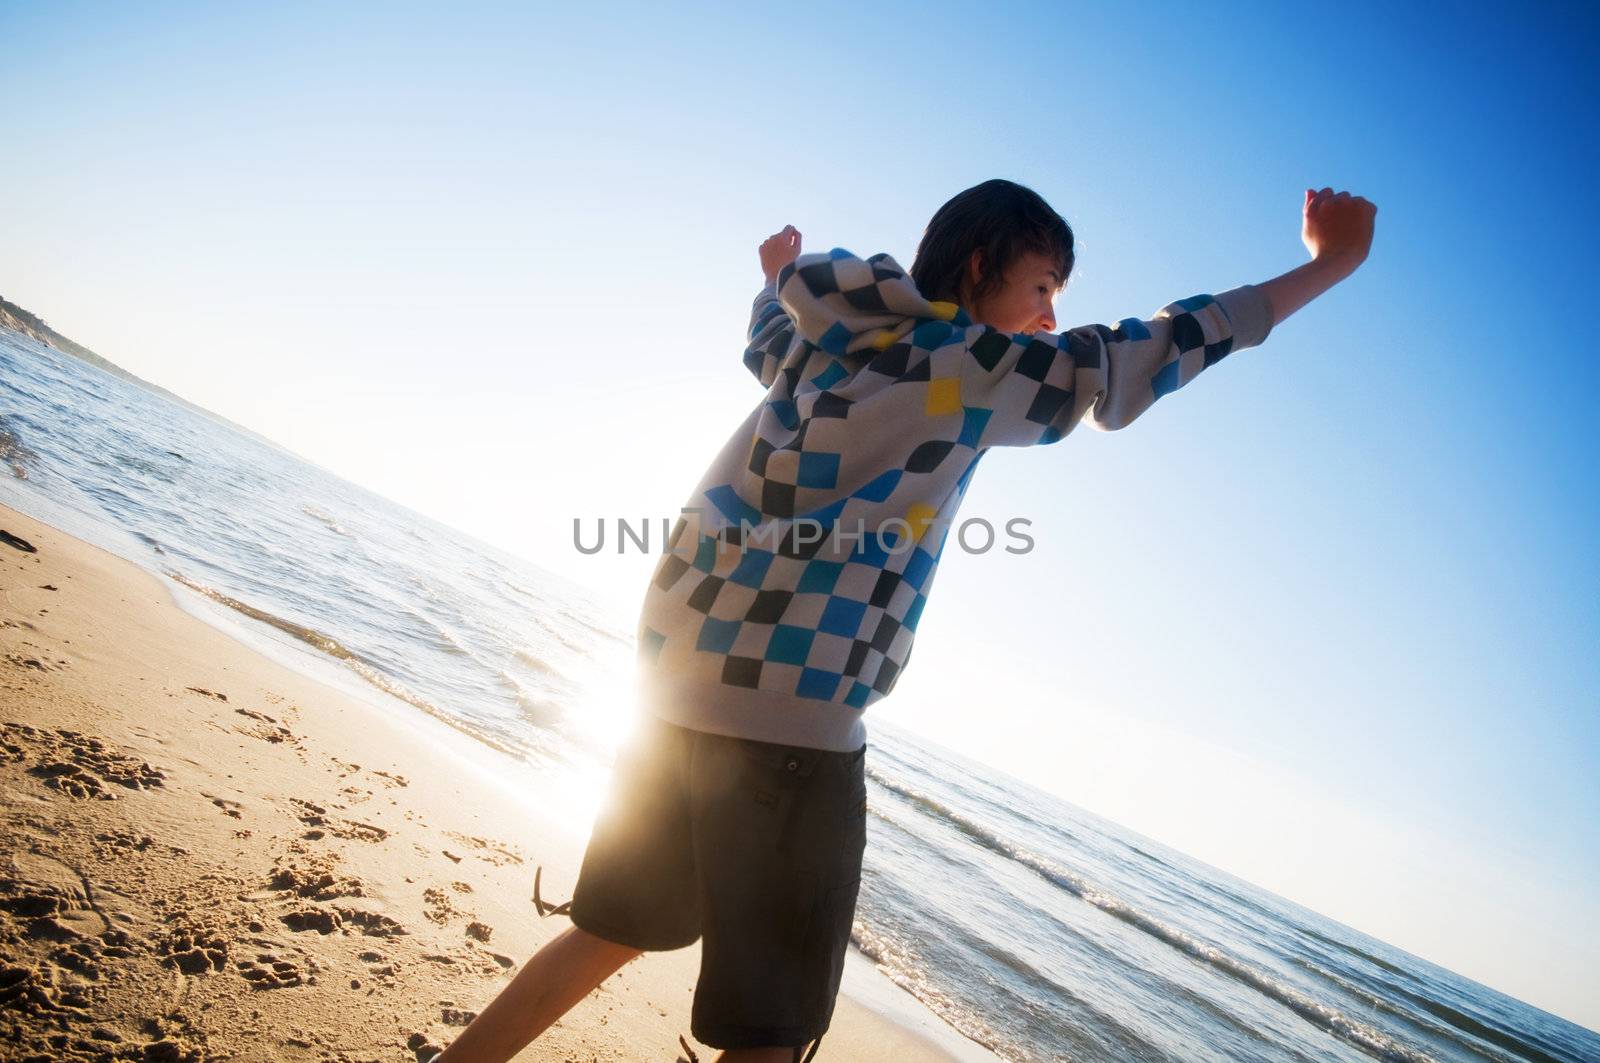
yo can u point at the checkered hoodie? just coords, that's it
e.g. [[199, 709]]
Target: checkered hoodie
[[789, 594]]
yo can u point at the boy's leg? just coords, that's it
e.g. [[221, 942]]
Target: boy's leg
[[559, 975], [636, 885]]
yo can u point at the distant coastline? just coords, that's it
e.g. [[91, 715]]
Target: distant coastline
[[36, 328]]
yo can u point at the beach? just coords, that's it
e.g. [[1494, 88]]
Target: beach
[[272, 734], [208, 855]]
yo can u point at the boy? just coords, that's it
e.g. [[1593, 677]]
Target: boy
[[788, 599]]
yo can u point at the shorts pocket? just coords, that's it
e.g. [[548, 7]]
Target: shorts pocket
[[855, 826]]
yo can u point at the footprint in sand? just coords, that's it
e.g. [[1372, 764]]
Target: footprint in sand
[[193, 945], [269, 971], [76, 764], [313, 876], [52, 897], [386, 972], [361, 832], [493, 852], [344, 920], [267, 729], [52, 905], [356, 795], [57, 943], [114, 843], [321, 920], [34, 989], [438, 907], [372, 924], [314, 815]]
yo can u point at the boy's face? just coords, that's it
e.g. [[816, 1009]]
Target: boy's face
[[1025, 299]]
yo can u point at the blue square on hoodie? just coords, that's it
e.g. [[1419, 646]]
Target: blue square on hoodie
[[871, 551], [930, 335], [918, 567], [829, 376], [915, 612], [752, 567], [842, 617], [717, 635], [819, 577], [705, 554], [1166, 379], [818, 470], [815, 683], [973, 421], [789, 644], [835, 339]]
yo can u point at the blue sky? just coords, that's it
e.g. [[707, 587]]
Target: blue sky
[[1327, 617]]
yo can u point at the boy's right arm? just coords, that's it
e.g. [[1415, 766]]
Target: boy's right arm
[[770, 332]]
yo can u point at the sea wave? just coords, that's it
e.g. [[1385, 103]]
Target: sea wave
[[334, 648], [1362, 1036], [531, 595], [443, 637], [14, 454], [537, 663], [327, 520], [577, 646], [1450, 1032], [905, 971], [598, 629]]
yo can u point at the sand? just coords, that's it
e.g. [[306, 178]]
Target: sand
[[208, 856]]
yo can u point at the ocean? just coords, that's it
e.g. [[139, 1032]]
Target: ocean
[[1035, 928]]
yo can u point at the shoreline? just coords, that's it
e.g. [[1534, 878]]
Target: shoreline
[[215, 852]]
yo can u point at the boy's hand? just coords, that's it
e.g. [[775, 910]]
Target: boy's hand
[[778, 250], [1338, 233], [1338, 227]]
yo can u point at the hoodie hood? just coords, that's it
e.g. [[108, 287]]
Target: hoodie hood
[[844, 304]]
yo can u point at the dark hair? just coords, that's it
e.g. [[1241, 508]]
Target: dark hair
[[1001, 218]]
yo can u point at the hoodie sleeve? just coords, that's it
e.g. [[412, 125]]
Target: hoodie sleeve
[[1037, 387], [770, 332]]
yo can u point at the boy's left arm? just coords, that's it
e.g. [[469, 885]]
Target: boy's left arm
[[771, 329], [1036, 388]]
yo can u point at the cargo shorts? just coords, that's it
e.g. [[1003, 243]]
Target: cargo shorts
[[755, 847]]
